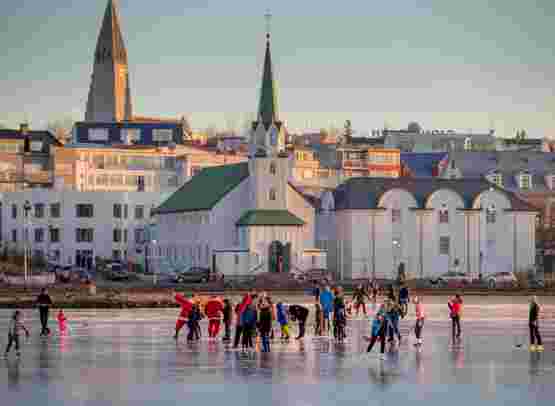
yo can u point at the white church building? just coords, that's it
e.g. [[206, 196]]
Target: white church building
[[247, 217]]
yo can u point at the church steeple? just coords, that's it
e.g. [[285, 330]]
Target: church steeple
[[109, 95], [267, 107]]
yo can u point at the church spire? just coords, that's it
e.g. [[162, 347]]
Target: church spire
[[109, 95], [267, 108]]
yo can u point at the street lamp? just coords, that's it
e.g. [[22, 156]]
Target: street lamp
[[26, 209]]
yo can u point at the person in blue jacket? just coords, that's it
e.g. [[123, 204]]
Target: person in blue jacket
[[283, 320], [377, 327], [326, 302]]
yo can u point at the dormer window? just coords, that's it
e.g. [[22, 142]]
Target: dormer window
[[497, 179], [525, 181], [443, 214]]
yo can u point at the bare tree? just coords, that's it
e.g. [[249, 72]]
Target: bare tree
[[61, 128]]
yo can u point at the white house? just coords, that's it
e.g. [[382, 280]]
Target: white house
[[370, 226], [245, 217]]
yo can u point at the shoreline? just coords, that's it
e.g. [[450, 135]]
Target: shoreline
[[135, 298]]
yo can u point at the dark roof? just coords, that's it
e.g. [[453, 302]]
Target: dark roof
[[7, 134], [365, 193], [205, 189], [422, 164], [269, 218]]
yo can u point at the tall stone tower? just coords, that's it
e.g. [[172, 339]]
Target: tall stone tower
[[269, 164], [110, 94]]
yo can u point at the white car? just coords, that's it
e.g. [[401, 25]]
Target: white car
[[502, 280], [452, 279]]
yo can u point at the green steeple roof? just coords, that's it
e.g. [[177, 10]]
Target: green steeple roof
[[268, 109]]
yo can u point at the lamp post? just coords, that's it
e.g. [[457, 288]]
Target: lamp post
[[26, 209]]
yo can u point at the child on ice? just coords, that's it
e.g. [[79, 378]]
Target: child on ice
[[376, 330], [283, 321], [14, 330], [62, 322]]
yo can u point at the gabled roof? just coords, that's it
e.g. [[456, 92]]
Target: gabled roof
[[269, 218], [205, 189], [365, 193]]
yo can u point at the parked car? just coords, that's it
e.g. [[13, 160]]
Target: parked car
[[502, 280], [116, 272], [452, 279], [195, 274]]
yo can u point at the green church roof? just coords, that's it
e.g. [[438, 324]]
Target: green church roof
[[269, 218], [205, 189]]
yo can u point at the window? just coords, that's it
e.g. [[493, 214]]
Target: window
[[116, 255], [139, 236], [98, 134], [125, 234], [162, 135], [84, 234], [54, 235], [272, 194], [84, 210], [172, 181], [125, 211], [39, 234], [395, 215], [467, 144], [117, 210], [497, 179], [443, 215], [236, 259], [55, 210], [491, 215], [525, 182], [14, 235], [117, 235], [272, 168], [140, 183], [195, 170], [14, 211], [139, 212], [131, 135], [444, 245], [39, 210]]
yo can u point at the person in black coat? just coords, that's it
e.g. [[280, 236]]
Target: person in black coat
[[299, 313], [44, 302]]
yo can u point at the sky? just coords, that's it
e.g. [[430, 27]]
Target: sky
[[448, 64]]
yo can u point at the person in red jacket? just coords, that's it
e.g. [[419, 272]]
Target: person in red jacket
[[186, 307], [455, 310], [240, 308], [213, 310]]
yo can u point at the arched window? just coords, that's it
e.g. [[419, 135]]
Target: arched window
[[272, 194], [443, 214], [491, 214], [272, 168]]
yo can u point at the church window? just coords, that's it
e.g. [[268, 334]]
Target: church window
[[272, 194], [395, 215], [272, 168], [443, 214], [497, 178], [444, 245], [491, 215], [98, 134], [525, 181]]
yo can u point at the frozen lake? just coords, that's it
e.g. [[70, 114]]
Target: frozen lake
[[123, 357]]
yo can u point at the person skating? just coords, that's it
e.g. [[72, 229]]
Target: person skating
[[194, 323], [239, 309], [62, 322], [339, 316], [44, 302], [455, 309], [14, 330], [394, 315], [183, 319], [283, 320], [326, 301], [299, 313], [376, 329], [533, 318], [404, 299], [419, 324], [265, 324], [227, 316], [318, 319], [213, 310], [248, 323], [359, 298]]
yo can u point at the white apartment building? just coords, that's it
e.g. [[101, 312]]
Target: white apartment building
[[66, 226]]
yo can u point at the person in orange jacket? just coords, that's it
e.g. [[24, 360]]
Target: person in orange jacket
[[213, 310], [186, 307]]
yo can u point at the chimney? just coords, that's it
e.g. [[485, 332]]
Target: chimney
[[24, 128]]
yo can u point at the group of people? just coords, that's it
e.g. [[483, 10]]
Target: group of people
[[255, 315]]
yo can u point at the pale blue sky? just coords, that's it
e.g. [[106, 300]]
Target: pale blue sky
[[446, 63]]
